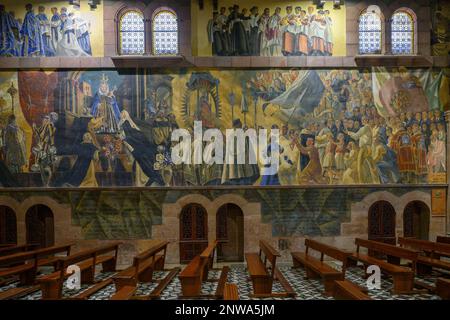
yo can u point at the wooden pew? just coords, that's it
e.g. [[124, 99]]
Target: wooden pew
[[443, 288], [18, 292], [403, 277], [11, 249], [196, 272], [263, 277], [87, 260], [432, 251], [144, 264], [26, 264], [347, 290], [317, 268], [443, 239], [231, 292]]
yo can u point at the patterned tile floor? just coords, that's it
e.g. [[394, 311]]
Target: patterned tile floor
[[305, 289]]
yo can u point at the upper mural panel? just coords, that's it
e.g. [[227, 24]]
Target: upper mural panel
[[52, 28], [104, 128], [256, 28], [440, 35]]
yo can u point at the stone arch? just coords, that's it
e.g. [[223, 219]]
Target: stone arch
[[254, 228], [358, 225], [62, 219]]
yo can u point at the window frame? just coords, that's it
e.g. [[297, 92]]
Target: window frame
[[121, 15], [411, 14], [155, 13], [382, 31]]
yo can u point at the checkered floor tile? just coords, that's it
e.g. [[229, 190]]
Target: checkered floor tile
[[306, 289]]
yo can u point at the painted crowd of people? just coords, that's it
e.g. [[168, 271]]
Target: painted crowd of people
[[63, 34], [246, 32]]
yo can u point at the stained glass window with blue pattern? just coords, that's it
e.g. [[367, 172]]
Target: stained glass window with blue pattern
[[402, 33], [132, 33], [369, 33], [165, 33]]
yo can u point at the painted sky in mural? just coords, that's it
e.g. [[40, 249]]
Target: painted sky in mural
[[48, 29], [104, 128], [261, 31]]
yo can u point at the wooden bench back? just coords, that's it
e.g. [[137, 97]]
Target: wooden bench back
[[270, 254], [424, 245], [443, 239], [208, 253], [93, 253], [327, 250], [421, 245], [8, 250], [387, 249], [22, 257], [150, 254]]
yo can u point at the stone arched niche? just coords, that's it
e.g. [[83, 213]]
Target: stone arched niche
[[254, 229]]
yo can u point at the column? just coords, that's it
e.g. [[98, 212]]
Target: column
[[447, 121]]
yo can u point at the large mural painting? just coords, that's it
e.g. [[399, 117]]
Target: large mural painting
[[290, 29], [49, 29], [440, 33], [105, 128]]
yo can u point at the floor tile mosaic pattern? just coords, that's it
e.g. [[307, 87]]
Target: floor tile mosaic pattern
[[305, 289]]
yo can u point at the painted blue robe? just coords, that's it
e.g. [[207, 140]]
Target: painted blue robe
[[46, 35], [388, 168], [31, 31], [7, 38], [112, 111]]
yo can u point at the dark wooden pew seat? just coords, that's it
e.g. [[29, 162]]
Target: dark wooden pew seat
[[431, 253], [197, 271], [403, 276], [317, 268], [231, 292], [25, 264], [347, 290], [87, 260], [443, 288], [144, 264], [263, 276]]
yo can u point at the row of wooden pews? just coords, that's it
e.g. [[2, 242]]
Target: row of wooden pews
[[144, 264], [197, 272], [87, 261], [402, 263], [317, 268], [263, 275], [402, 276]]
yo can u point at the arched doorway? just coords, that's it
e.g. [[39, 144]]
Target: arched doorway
[[193, 231], [8, 226], [230, 233], [416, 220], [40, 226], [382, 222]]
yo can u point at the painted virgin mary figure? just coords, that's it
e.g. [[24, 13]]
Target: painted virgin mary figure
[[105, 106]]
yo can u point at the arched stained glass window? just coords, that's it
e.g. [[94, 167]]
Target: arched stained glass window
[[402, 33], [165, 33], [369, 33], [132, 33]]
